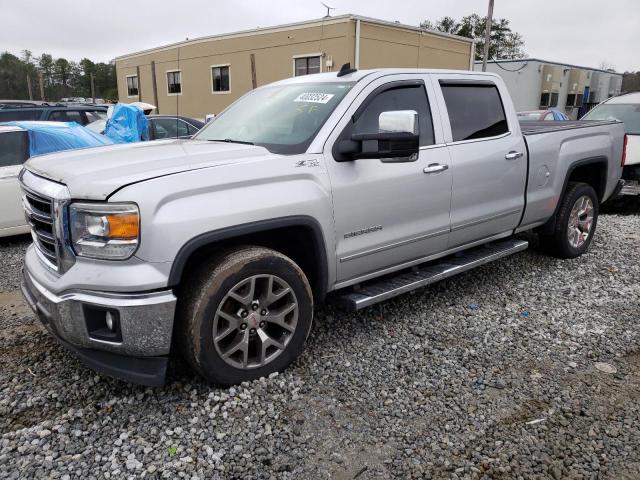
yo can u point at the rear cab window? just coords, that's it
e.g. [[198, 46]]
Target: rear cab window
[[475, 110]]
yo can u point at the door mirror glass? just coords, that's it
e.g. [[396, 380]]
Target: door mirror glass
[[398, 121]]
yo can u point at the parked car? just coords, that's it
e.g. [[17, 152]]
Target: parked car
[[80, 114], [222, 244], [22, 103], [161, 126], [542, 115], [625, 108], [22, 140]]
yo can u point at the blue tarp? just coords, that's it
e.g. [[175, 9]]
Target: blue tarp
[[127, 124], [49, 137]]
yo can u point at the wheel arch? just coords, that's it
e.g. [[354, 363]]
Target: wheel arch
[[592, 171], [289, 235]]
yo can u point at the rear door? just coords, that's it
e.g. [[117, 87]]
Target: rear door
[[488, 157], [13, 153]]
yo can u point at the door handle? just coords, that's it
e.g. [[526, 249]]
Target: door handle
[[435, 168], [513, 155]]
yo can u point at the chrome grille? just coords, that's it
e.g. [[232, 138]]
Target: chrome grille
[[39, 212]]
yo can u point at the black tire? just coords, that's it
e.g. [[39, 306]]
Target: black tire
[[208, 286], [557, 243]]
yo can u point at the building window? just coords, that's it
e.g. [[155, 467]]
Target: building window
[[132, 85], [554, 99], [544, 99], [306, 65], [220, 78], [571, 100], [174, 82]]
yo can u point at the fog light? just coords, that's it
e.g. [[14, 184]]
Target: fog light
[[110, 321]]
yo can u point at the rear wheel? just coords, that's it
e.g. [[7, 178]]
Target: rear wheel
[[244, 315], [576, 222]]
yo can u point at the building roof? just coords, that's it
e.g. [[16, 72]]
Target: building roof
[[293, 26], [522, 60]]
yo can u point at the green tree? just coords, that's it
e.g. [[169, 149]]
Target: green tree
[[61, 77], [504, 42], [631, 82], [62, 71]]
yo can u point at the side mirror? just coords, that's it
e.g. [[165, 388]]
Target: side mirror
[[405, 121], [397, 140]]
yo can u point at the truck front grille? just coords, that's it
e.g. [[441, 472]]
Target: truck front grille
[[39, 213]]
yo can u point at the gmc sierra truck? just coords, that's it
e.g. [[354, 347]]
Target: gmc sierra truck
[[366, 184]]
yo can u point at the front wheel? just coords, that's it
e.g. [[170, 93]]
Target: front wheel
[[576, 222], [245, 315]]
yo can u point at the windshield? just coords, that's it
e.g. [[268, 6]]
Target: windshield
[[283, 119], [627, 113]]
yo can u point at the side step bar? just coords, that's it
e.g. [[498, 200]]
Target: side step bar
[[380, 289]]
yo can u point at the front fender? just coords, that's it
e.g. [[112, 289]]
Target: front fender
[[180, 211]]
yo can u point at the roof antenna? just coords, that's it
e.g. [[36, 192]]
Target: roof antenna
[[329, 8], [346, 70]]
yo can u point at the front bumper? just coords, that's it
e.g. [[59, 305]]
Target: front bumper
[[138, 348]]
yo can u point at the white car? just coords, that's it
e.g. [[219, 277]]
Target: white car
[[625, 108], [17, 144], [14, 151]]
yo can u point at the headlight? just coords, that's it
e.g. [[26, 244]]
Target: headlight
[[109, 231]]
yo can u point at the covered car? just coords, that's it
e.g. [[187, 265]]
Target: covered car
[[126, 123], [542, 115]]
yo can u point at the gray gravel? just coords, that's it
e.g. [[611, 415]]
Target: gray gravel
[[488, 375]]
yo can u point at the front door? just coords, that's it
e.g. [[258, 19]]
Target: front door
[[390, 212], [13, 153], [488, 158]]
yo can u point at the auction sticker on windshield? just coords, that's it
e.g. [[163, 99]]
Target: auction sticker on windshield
[[314, 97]]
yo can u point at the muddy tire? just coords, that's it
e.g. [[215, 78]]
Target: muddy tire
[[244, 314]]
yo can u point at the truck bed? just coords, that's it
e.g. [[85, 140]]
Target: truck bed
[[534, 128], [555, 147]]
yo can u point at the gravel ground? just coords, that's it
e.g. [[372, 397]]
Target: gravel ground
[[497, 373]]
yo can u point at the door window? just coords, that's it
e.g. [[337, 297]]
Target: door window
[[14, 148], [475, 111], [68, 116], [17, 115], [170, 128], [410, 97]]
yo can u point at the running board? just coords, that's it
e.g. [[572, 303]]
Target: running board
[[377, 290]]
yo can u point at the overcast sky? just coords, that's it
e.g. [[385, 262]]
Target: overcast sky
[[582, 32]]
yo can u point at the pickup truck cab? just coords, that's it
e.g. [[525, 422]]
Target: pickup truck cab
[[361, 183]]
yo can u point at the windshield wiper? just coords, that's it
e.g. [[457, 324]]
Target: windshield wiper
[[229, 140]]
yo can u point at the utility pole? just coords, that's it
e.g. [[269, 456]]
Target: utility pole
[[29, 87], [41, 86], [93, 87], [487, 36]]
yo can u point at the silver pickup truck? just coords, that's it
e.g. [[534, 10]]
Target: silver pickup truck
[[366, 184]]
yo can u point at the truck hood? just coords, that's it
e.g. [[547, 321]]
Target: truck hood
[[95, 173]]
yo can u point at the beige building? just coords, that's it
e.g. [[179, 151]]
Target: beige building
[[204, 75]]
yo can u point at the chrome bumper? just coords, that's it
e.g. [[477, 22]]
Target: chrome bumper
[[136, 348]]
